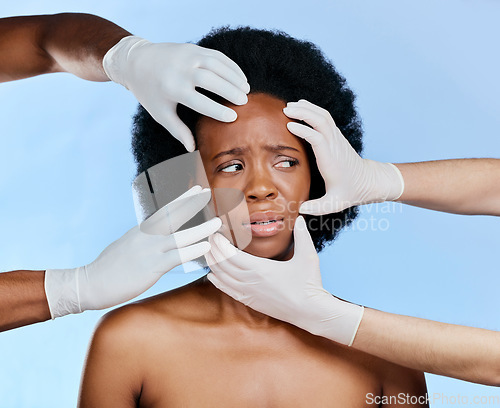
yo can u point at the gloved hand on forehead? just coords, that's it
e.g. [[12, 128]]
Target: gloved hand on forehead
[[349, 179], [290, 291], [165, 74], [135, 262]]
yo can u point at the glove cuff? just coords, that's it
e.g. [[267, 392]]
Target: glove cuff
[[342, 322], [116, 59], [383, 182], [398, 185], [61, 290]]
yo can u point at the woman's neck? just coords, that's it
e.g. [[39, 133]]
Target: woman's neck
[[233, 312]]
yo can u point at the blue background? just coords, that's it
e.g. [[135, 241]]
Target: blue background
[[426, 77]]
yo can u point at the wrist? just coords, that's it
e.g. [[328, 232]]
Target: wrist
[[338, 321], [62, 292], [116, 60], [385, 181]]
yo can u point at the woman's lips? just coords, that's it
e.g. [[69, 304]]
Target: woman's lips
[[265, 224]]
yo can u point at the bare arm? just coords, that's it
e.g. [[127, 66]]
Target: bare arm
[[22, 299], [69, 42], [461, 186], [112, 375], [35, 45], [461, 352]]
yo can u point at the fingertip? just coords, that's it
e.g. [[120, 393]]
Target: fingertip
[[300, 221], [217, 223], [205, 247], [242, 99], [245, 87], [304, 209], [229, 115], [294, 128]]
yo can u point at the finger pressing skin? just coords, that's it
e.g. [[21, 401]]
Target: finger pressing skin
[[214, 83], [208, 107], [319, 122], [170, 121], [226, 72], [192, 252], [195, 234], [231, 64], [313, 137], [172, 216]]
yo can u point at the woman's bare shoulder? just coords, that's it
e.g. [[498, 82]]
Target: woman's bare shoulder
[[170, 308]]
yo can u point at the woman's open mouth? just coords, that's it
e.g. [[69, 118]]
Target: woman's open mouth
[[265, 224]]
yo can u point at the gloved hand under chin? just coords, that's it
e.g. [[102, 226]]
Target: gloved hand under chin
[[290, 291]]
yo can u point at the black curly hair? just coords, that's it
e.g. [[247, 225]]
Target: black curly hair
[[286, 68]]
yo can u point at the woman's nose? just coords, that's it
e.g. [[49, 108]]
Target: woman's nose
[[260, 186]]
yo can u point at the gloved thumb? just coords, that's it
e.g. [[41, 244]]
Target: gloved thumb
[[303, 244]]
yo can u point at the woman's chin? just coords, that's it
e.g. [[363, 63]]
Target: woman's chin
[[265, 248]]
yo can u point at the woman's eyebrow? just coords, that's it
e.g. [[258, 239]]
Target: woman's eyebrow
[[234, 151], [241, 150], [279, 148]]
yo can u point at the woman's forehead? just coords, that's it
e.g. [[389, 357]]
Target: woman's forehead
[[260, 122]]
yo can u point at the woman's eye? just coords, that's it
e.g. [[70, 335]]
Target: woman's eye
[[232, 168], [287, 163]]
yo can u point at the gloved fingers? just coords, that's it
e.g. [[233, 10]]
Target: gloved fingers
[[179, 256], [321, 149], [219, 263], [305, 103], [241, 79], [223, 287], [212, 82], [313, 137], [189, 236], [170, 121], [319, 122], [240, 261], [191, 192], [319, 118], [209, 107], [226, 73], [303, 244], [173, 215], [217, 254], [180, 211]]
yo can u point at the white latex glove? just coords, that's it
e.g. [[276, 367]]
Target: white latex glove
[[135, 262], [290, 291], [349, 179], [165, 74]]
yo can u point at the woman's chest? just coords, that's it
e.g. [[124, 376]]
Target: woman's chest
[[272, 372]]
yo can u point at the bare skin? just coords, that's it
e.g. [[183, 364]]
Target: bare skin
[[196, 346], [69, 42], [460, 186], [22, 299], [466, 353], [35, 45]]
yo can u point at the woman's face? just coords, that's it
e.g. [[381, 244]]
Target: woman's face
[[257, 155]]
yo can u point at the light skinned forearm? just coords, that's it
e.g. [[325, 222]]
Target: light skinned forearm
[[68, 42], [22, 299], [461, 352], [460, 186]]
